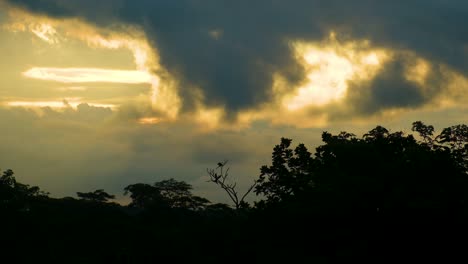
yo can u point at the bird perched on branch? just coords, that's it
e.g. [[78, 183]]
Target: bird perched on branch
[[216, 177]]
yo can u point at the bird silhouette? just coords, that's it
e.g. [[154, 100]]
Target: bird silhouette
[[216, 177]]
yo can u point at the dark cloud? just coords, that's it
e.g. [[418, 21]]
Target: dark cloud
[[96, 11], [388, 90], [235, 68]]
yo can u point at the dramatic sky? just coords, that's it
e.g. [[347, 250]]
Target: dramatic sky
[[102, 94]]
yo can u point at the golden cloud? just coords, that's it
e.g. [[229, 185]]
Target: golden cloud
[[163, 96], [331, 65]]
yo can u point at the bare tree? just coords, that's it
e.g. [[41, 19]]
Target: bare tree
[[220, 176]]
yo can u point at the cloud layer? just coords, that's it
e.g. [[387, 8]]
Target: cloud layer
[[232, 50]]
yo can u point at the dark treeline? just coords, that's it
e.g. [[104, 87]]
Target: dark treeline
[[382, 197]]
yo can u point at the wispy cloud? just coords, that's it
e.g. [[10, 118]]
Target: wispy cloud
[[45, 32], [86, 75], [66, 103], [73, 88]]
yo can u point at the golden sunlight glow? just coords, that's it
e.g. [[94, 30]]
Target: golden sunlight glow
[[149, 120], [208, 118], [325, 83], [457, 85], [83, 75], [163, 95], [418, 71], [330, 66]]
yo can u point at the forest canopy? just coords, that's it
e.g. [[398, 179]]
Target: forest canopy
[[350, 187]]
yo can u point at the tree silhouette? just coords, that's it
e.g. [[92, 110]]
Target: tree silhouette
[[144, 196], [426, 132], [10, 186], [380, 171], [15, 195], [167, 193], [291, 172], [7, 179], [97, 196]]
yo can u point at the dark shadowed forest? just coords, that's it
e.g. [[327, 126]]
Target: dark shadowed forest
[[383, 197]]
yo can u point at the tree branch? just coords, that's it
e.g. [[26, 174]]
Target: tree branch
[[222, 179]]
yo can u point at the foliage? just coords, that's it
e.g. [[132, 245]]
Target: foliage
[[164, 194], [289, 174], [15, 195], [97, 196], [380, 171]]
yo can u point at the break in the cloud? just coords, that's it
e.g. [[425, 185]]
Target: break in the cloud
[[233, 50]]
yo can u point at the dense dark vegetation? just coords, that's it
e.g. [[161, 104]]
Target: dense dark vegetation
[[382, 197]]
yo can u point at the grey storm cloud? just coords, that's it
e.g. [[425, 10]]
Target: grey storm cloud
[[231, 49], [390, 89]]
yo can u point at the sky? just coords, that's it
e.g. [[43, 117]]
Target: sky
[[103, 94]]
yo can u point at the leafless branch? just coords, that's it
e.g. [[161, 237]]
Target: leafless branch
[[220, 176]]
